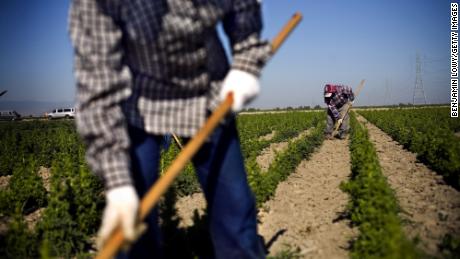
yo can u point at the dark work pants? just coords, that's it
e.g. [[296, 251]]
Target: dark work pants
[[231, 204], [344, 128]]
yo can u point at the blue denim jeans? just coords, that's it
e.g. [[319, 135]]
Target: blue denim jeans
[[231, 204]]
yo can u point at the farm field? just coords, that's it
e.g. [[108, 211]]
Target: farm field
[[391, 190]]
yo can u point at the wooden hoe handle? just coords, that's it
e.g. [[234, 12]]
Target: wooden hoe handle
[[116, 240], [284, 33]]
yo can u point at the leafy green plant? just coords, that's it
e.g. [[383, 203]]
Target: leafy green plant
[[264, 184], [75, 201], [373, 206], [187, 182], [25, 190], [450, 246], [74, 210], [19, 241], [427, 132]]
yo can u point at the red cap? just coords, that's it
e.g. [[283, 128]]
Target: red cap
[[330, 88]]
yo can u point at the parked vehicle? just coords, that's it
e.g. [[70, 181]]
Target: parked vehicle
[[9, 115], [61, 113]]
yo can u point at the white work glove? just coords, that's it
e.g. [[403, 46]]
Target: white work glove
[[122, 208], [245, 87]]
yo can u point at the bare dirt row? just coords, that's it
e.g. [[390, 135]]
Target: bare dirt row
[[306, 211], [187, 205], [268, 155]]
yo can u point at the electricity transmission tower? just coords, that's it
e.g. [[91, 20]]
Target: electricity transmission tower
[[419, 94]]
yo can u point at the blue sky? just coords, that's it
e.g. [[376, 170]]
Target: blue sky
[[339, 41]]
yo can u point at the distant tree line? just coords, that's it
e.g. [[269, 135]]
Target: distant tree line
[[318, 107], [289, 108]]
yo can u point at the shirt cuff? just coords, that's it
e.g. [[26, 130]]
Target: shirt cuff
[[251, 55]]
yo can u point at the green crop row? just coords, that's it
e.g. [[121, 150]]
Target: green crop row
[[373, 206], [285, 125], [42, 139], [187, 182], [69, 213], [428, 133], [194, 241], [250, 128], [264, 183]]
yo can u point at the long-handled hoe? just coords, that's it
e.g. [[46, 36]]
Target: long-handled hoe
[[116, 240]]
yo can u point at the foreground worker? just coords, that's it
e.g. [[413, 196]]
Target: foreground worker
[[145, 69], [337, 99]]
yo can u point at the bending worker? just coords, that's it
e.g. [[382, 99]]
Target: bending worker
[[337, 98], [145, 69]]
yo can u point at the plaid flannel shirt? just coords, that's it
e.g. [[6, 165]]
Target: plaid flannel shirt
[[343, 95], [156, 65]]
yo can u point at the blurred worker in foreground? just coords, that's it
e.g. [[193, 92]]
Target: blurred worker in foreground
[[337, 98], [145, 69]]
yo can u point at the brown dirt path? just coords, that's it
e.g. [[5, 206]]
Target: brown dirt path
[[4, 181], [305, 211], [430, 208], [269, 136], [187, 205], [268, 155]]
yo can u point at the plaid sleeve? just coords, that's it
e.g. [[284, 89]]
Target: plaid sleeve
[[243, 25], [102, 84]]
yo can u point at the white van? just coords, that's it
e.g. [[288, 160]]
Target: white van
[[62, 113], [9, 116]]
